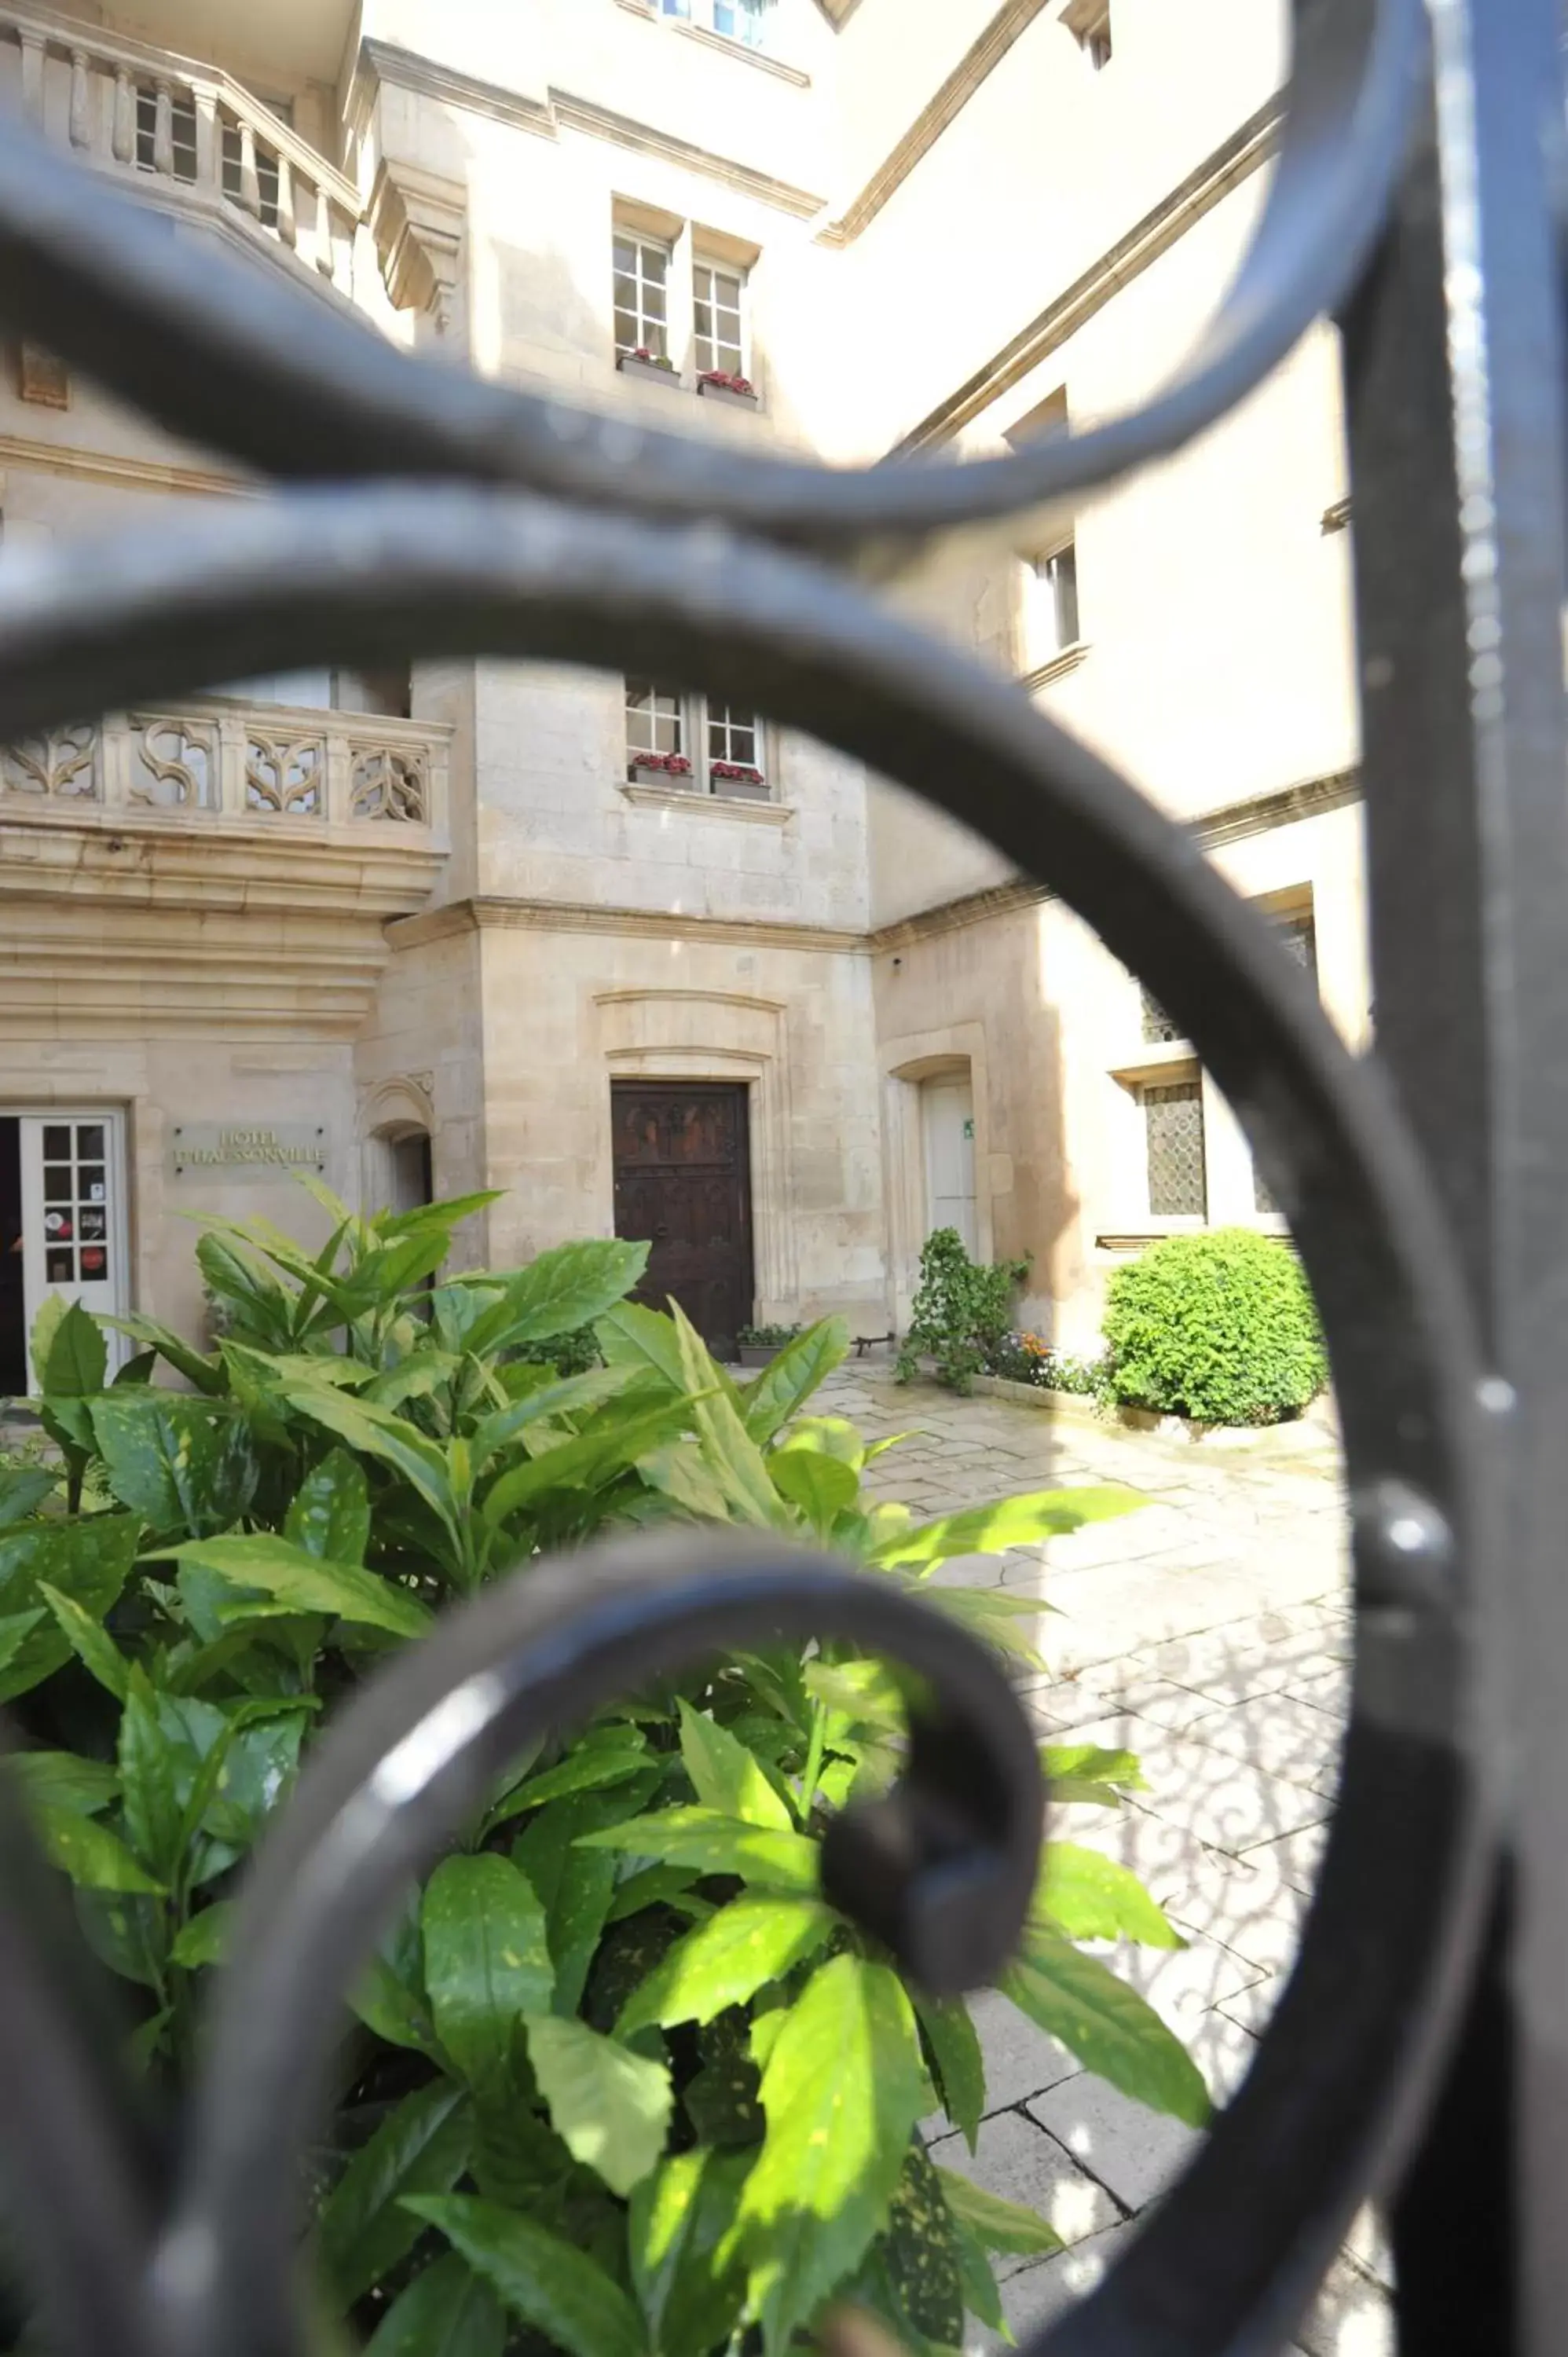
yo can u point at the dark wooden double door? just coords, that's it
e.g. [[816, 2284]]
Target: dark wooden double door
[[683, 1183]]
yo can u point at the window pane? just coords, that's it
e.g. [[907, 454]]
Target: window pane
[[1173, 1121], [89, 1141], [1298, 937], [624, 254], [58, 1186], [1157, 1024], [89, 1187], [627, 338], [56, 1142], [703, 315], [1064, 586], [60, 1266], [655, 261]]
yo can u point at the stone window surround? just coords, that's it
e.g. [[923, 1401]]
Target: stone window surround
[[688, 244], [393, 1110], [906, 1061], [701, 794]]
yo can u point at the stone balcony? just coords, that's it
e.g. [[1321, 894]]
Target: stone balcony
[[214, 851], [184, 134]]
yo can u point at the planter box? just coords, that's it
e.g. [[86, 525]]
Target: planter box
[[648, 372], [672, 782], [727, 392], [741, 789], [754, 1354]]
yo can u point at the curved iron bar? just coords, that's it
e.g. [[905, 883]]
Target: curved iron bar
[[952, 1852], [270, 376], [1237, 2248]]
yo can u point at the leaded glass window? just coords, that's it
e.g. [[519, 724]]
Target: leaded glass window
[[1173, 1124]]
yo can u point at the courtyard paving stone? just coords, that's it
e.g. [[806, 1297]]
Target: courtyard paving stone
[[1209, 1633]]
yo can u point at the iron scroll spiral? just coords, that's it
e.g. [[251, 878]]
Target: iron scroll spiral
[[437, 566]]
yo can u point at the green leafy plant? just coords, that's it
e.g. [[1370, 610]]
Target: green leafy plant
[[620, 2077], [1026, 1358], [961, 1311], [768, 1338], [1219, 1327]]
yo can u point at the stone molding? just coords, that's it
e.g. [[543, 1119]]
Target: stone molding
[[978, 62], [487, 912], [1057, 668], [689, 798], [1234, 161], [719, 41], [109, 466], [418, 220], [561, 111]]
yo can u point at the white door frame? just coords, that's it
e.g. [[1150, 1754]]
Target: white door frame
[[35, 1286]]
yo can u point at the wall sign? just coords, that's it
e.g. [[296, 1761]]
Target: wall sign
[[241, 1154]]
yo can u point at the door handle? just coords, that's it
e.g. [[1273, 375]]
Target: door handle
[[659, 1235]]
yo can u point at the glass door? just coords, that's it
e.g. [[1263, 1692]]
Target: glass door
[[73, 1213]]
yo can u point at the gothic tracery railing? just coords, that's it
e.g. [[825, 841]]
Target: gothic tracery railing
[[564, 562]]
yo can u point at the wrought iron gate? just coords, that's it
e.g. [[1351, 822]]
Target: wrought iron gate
[[1425, 2029]]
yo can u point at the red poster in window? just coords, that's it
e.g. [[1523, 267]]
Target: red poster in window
[[91, 1261]]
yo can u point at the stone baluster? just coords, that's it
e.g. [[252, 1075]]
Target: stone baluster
[[124, 134], [325, 261], [163, 131], [249, 185], [209, 144], [114, 760], [340, 778], [233, 747], [33, 59], [288, 227], [81, 99]]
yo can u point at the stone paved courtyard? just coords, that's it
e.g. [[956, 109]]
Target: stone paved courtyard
[[1208, 1634]]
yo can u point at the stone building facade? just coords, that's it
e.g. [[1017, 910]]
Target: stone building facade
[[466, 926]]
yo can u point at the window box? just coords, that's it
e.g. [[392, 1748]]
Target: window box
[[669, 769], [648, 370], [738, 391], [738, 780]]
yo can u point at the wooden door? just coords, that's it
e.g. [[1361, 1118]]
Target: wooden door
[[683, 1181]]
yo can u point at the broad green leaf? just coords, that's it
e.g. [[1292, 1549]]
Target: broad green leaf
[[714, 1844], [917, 2257], [205, 1938], [58, 1779], [329, 1515], [731, 1455], [566, 1398], [46, 1326], [726, 1960], [363, 2230], [23, 1489], [89, 1640], [562, 1290], [996, 2224], [445, 1215], [820, 1486], [679, 2217], [830, 1436], [725, 1776], [977, 2281], [305, 1584], [996, 1617], [390, 1439], [15, 1628], [148, 1780], [588, 1457], [1092, 1897], [1107, 2025], [446, 2311], [589, 1768], [960, 2065], [843, 2088], [576, 1884], [866, 1694], [542, 2280], [656, 1885], [610, 2107], [1012, 1522], [788, 1382], [206, 1374], [86, 1559], [390, 1995], [632, 1336], [77, 1358], [1081, 1764], [487, 1959], [184, 1465], [92, 1856], [679, 1472]]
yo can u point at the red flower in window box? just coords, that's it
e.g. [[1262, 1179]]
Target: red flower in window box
[[726, 383], [735, 772], [673, 765], [650, 359]]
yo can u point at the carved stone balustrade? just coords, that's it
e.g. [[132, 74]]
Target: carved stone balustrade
[[185, 132]]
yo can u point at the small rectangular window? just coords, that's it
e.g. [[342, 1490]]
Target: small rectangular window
[[1058, 577], [1159, 1029], [718, 319], [642, 284], [734, 747], [1172, 1127], [1298, 938], [655, 726]]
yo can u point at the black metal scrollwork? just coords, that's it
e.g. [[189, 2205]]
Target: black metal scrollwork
[[558, 544]]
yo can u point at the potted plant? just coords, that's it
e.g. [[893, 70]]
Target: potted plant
[[660, 769], [656, 366], [737, 778], [758, 1344], [719, 384]]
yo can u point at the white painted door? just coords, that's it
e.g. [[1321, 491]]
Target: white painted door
[[74, 1229], [947, 1113]]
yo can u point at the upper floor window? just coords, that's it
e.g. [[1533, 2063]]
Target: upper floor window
[[641, 294], [738, 20], [719, 318], [182, 132], [696, 743], [1053, 616], [266, 164]]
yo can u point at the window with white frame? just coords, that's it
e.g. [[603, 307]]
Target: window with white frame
[[641, 294], [182, 132], [719, 318], [1052, 602], [664, 728], [266, 164], [738, 20]]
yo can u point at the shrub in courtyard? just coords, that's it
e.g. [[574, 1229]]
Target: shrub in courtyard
[[620, 2077], [962, 1309], [1219, 1327]]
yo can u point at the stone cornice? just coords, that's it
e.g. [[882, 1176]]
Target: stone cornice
[[120, 857], [561, 110], [979, 60], [1234, 161], [122, 473], [484, 913]]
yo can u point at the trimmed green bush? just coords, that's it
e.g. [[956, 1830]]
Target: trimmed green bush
[[1219, 1327], [961, 1312]]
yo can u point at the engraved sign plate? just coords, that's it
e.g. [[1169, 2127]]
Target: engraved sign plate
[[241, 1153]]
